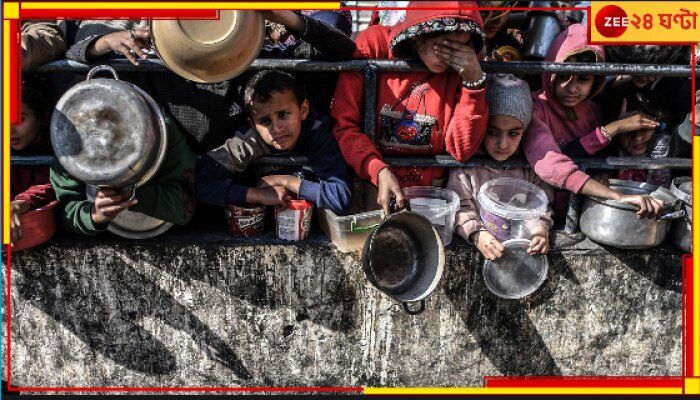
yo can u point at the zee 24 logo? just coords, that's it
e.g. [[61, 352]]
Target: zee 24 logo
[[612, 21]]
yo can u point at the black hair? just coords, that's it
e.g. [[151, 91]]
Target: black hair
[[586, 57], [260, 87], [35, 99]]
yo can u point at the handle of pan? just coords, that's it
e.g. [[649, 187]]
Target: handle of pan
[[417, 311], [673, 215], [101, 68]]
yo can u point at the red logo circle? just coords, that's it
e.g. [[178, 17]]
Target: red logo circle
[[611, 21]]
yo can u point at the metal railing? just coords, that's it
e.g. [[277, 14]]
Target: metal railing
[[371, 69]]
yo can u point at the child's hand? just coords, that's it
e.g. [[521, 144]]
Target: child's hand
[[630, 122], [269, 196], [461, 57], [488, 245], [388, 187], [17, 208], [649, 207], [539, 241], [289, 182], [123, 42], [285, 17], [109, 203]]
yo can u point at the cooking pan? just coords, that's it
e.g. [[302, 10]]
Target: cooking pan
[[405, 258]]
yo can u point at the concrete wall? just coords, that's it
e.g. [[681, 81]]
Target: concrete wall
[[214, 312]]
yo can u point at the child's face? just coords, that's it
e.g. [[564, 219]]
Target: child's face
[[424, 48], [503, 136], [635, 143], [570, 90], [278, 120], [26, 133]]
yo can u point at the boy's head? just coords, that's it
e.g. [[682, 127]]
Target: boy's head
[[571, 90], [28, 131], [510, 108], [276, 106]]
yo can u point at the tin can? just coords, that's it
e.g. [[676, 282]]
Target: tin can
[[247, 220], [294, 223]]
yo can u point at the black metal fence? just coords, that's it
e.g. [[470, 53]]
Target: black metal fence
[[372, 67]]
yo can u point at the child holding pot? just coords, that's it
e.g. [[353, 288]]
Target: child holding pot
[[30, 187], [562, 113], [280, 121], [418, 113], [510, 106]]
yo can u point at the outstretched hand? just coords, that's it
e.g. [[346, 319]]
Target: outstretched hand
[[124, 43]]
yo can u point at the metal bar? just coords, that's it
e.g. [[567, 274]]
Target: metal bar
[[518, 67], [449, 161], [370, 117]]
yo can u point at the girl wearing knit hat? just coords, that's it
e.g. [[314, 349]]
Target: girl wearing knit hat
[[510, 106], [441, 110]]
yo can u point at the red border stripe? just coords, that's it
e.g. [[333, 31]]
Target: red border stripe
[[588, 382], [123, 14], [689, 317]]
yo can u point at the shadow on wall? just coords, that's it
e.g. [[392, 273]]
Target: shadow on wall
[[108, 318], [654, 266], [502, 328], [312, 283]]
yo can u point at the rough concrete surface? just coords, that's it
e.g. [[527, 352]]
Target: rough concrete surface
[[218, 312]]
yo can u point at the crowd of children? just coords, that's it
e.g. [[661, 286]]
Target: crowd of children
[[452, 108]]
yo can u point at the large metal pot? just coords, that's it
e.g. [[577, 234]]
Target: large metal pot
[[404, 258], [108, 133], [615, 224], [681, 235]]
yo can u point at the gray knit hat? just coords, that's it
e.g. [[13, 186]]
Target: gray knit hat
[[508, 95]]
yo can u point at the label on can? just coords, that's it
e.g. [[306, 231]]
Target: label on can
[[245, 221], [294, 223], [495, 225]]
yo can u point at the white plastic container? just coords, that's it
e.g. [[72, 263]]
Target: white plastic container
[[511, 208], [438, 205], [349, 233]]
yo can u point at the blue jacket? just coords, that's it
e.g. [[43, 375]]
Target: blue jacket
[[218, 171]]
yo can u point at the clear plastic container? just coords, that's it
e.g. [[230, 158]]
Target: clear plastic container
[[511, 207], [350, 232], [438, 205]]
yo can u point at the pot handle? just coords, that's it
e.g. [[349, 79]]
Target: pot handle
[[410, 311], [101, 68], [393, 208], [133, 192], [673, 215]]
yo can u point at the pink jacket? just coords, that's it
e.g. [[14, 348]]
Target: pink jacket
[[467, 182], [554, 126]]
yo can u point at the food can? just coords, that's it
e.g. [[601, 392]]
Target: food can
[[294, 223], [245, 220]]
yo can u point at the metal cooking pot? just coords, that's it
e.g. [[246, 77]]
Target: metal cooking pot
[[615, 224], [543, 28], [108, 133], [681, 236], [404, 258]]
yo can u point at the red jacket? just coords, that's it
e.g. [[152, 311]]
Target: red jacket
[[460, 114], [31, 183]]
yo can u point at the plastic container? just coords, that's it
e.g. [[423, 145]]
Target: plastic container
[[294, 223], [349, 233], [246, 220], [511, 208], [438, 205], [38, 226], [516, 274]]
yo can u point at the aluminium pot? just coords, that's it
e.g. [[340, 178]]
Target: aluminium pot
[[108, 132], [615, 224], [681, 235], [404, 257]]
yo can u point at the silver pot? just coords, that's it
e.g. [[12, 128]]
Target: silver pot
[[681, 235], [615, 224], [108, 133]]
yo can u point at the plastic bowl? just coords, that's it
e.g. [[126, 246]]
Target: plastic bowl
[[511, 207], [38, 226], [438, 205]]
